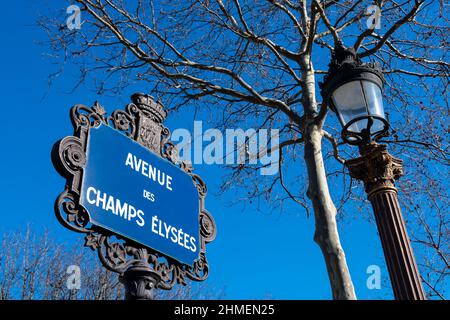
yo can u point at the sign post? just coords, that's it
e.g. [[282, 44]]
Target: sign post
[[140, 207]]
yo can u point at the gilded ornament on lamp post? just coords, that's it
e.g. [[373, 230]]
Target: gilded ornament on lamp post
[[376, 168]]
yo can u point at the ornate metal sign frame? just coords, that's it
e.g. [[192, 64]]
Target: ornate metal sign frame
[[142, 121]]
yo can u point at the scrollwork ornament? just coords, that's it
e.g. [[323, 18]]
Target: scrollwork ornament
[[168, 149], [72, 153], [70, 213], [208, 226], [123, 121], [85, 117]]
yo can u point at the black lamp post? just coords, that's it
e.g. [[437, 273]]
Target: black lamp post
[[353, 90]]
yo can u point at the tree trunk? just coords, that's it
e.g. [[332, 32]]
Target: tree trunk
[[326, 233]]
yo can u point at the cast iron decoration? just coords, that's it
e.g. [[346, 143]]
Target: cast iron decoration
[[140, 268]]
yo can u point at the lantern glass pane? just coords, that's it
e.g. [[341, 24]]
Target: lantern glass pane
[[350, 103], [375, 103]]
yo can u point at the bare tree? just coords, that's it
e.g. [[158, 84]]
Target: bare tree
[[256, 63], [34, 266]]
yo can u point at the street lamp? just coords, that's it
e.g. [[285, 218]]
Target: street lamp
[[353, 90]]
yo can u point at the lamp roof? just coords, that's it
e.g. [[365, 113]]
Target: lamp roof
[[346, 66]]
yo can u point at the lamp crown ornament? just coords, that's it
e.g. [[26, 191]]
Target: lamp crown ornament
[[341, 56], [344, 63]]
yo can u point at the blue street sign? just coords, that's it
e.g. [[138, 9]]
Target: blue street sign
[[135, 193]]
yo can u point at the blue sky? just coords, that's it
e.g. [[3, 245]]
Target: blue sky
[[255, 255]]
